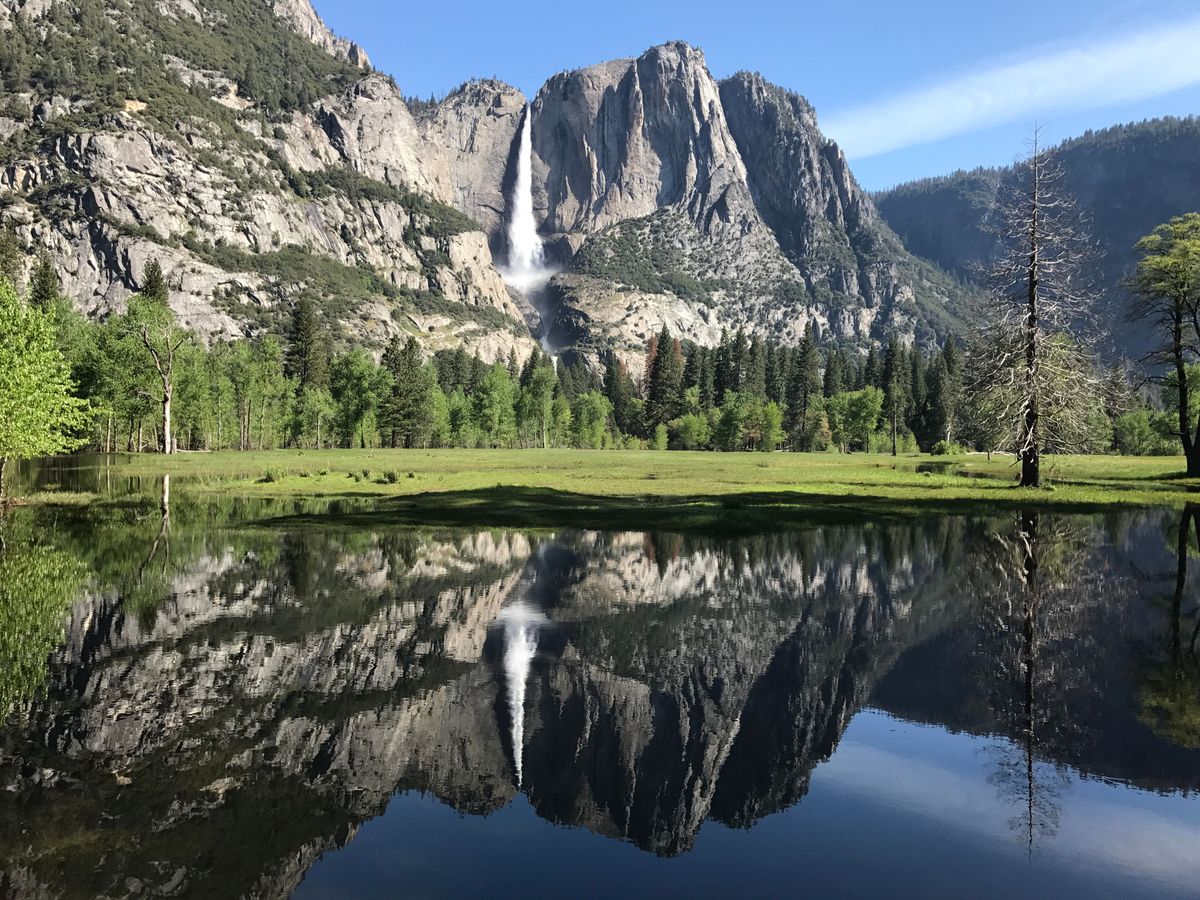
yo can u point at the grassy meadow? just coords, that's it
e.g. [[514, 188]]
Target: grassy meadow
[[729, 491]]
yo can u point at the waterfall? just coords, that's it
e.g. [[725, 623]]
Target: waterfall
[[527, 259], [520, 623], [526, 270]]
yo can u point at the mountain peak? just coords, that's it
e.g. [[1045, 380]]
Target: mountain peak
[[301, 17]]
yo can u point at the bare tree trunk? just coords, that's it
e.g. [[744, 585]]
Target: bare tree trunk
[[167, 439], [3, 466], [1031, 468]]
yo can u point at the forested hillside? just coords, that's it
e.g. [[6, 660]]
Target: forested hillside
[[1126, 179]]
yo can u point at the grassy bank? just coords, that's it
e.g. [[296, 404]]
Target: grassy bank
[[560, 487]]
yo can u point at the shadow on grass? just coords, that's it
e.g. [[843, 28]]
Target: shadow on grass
[[748, 513]]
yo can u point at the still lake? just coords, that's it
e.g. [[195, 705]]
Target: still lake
[[247, 702]]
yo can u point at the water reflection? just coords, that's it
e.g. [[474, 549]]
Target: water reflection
[[229, 701]]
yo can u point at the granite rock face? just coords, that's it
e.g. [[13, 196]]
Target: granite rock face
[[727, 192]]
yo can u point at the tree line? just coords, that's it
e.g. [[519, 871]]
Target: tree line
[[1024, 382]]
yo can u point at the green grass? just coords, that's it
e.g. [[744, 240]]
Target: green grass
[[672, 490]]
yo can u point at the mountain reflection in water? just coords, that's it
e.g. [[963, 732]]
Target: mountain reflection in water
[[232, 705]]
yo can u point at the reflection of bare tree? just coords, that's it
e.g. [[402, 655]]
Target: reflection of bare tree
[[1043, 579], [1170, 690], [162, 540]]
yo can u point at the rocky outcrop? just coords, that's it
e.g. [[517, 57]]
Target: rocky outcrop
[[244, 217], [624, 139], [473, 132], [300, 16]]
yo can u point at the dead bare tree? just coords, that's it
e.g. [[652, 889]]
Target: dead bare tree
[[1029, 367]]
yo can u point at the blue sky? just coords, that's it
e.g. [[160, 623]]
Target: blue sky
[[909, 88]]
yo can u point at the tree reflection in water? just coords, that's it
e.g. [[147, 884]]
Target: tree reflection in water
[[1170, 688], [1043, 581]]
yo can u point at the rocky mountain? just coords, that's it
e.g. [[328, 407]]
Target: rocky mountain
[[1126, 180], [137, 130], [673, 198], [663, 195]]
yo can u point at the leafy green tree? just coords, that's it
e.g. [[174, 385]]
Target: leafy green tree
[[358, 387], [494, 402], [39, 415], [590, 413], [535, 413], [660, 439], [151, 318], [315, 409], [463, 431], [691, 432], [1167, 295], [562, 420], [853, 416]]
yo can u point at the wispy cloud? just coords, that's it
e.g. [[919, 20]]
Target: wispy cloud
[[1083, 76]]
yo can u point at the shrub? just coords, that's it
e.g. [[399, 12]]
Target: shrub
[[945, 448]]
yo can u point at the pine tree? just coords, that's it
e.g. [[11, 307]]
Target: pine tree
[[707, 382], [834, 373], [896, 380], [154, 284], [871, 368], [44, 287], [407, 418], [693, 366], [722, 366], [664, 394], [651, 360], [917, 392], [618, 389], [804, 385], [307, 359], [738, 359], [756, 370]]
